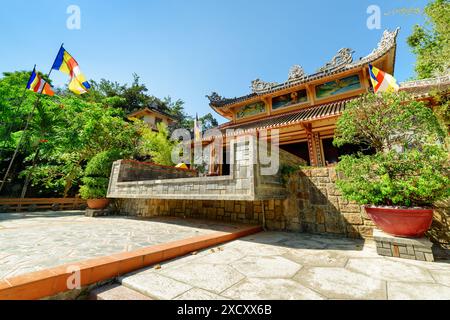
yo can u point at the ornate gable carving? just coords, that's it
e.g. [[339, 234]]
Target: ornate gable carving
[[342, 58], [296, 73], [259, 86]]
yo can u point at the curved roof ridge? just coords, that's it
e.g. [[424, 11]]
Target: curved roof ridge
[[342, 61]]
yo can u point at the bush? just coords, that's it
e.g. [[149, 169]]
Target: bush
[[410, 167], [98, 170], [411, 178]]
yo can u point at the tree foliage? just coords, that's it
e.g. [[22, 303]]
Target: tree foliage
[[67, 131], [410, 178], [386, 121], [96, 178], [410, 167], [431, 42]]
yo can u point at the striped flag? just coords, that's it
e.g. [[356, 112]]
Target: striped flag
[[382, 81], [65, 63], [39, 85]]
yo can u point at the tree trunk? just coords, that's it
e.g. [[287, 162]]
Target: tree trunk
[[28, 178]]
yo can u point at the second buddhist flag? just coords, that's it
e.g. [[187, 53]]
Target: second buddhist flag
[[382, 81], [65, 63]]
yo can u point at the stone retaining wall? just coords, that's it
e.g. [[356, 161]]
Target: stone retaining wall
[[246, 180], [313, 205]]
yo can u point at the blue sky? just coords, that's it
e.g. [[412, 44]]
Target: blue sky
[[187, 49]]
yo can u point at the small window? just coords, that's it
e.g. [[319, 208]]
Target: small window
[[158, 120]]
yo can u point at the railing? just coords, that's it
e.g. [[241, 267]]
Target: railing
[[36, 204]]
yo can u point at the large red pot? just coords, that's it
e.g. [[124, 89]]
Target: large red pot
[[401, 222], [97, 204]]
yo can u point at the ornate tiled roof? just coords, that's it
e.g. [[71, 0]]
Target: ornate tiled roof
[[304, 115], [422, 88], [342, 61], [418, 88]]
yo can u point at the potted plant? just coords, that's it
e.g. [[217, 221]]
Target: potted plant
[[96, 179], [408, 169]]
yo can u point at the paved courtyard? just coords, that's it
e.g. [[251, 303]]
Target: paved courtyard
[[38, 241], [277, 265]]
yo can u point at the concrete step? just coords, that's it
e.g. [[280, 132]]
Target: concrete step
[[116, 292]]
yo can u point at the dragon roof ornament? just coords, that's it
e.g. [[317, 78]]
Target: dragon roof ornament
[[343, 57], [387, 42], [259, 86], [214, 97], [296, 73]]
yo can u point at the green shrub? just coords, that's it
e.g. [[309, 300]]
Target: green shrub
[[410, 167], [411, 178], [96, 179]]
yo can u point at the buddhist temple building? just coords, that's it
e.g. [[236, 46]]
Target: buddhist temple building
[[305, 107], [152, 116], [240, 185]]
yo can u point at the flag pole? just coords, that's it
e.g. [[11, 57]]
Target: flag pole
[[30, 117]]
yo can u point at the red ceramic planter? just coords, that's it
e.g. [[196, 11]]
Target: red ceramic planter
[[412, 223], [97, 204]]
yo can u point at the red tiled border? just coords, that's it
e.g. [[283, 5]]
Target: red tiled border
[[49, 282]]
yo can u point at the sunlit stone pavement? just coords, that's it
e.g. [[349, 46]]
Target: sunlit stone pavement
[[36, 241], [279, 265]]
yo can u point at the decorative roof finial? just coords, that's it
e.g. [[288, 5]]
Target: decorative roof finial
[[214, 97], [342, 58], [259, 86], [296, 73]]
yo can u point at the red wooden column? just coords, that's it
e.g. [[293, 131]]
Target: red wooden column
[[315, 154]]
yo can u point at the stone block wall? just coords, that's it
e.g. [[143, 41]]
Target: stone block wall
[[245, 181], [250, 212], [313, 204], [440, 229]]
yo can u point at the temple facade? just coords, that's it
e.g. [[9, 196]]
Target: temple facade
[[305, 107]]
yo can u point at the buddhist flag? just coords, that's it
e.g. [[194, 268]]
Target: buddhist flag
[[39, 85], [65, 63], [382, 81], [197, 129]]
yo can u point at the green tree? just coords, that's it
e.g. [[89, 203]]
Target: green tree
[[410, 166], [387, 121], [431, 42], [156, 145]]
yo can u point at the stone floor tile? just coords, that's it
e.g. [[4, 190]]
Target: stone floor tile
[[266, 267], [340, 283], [199, 294], [270, 237], [417, 291], [441, 276], [155, 285], [221, 256], [270, 289], [212, 277], [254, 248], [385, 269], [116, 292], [317, 258]]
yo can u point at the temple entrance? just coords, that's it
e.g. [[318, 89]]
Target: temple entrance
[[299, 149]]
